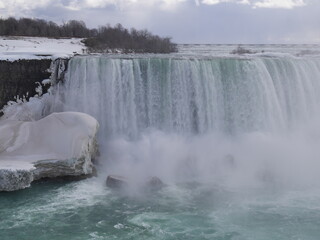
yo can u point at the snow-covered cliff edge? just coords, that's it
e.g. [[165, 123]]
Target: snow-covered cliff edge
[[26, 61]]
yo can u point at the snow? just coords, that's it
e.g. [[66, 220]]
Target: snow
[[46, 81], [57, 136], [14, 165], [57, 145], [15, 48], [33, 109]]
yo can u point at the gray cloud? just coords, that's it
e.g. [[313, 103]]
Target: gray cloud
[[189, 21], [21, 6]]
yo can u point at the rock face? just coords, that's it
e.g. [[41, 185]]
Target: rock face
[[20, 77], [61, 144]]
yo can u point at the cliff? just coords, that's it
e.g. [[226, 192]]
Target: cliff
[[20, 78]]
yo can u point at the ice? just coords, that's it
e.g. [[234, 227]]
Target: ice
[[57, 145]]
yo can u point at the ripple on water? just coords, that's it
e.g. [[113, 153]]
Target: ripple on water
[[88, 210]]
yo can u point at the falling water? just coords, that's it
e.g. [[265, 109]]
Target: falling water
[[229, 95], [191, 118]]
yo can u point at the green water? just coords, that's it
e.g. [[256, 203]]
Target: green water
[[89, 210]]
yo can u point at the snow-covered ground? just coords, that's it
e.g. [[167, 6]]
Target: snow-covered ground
[[15, 48]]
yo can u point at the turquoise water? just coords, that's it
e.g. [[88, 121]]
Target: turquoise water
[[89, 210]]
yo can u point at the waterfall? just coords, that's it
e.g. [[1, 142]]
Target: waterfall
[[193, 96], [241, 120]]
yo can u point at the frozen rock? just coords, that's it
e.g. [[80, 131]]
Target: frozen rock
[[61, 144], [15, 175]]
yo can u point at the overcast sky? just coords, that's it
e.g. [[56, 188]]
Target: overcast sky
[[188, 21]]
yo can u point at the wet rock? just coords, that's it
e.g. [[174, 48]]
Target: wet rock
[[154, 183], [120, 182], [116, 182]]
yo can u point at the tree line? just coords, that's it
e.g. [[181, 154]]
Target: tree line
[[118, 37], [104, 39]]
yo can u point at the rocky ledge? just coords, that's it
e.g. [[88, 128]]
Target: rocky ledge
[[61, 144], [20, 78]]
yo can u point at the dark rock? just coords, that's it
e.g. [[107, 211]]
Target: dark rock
[[59, 69], [19, 78], [116, 182], [119, 182], [240, 50], [154, 183]]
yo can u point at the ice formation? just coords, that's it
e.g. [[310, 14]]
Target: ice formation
[[61, 144]]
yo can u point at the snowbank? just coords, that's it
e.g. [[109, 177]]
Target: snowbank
[[15, 48], [61, 144]]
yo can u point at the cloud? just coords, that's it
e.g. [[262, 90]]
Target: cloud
[[13, 6], [120, 4], [19, 7], [83, 4], [213, 2], [289, 4]]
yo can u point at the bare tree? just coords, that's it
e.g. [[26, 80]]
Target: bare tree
[[104, 39]]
